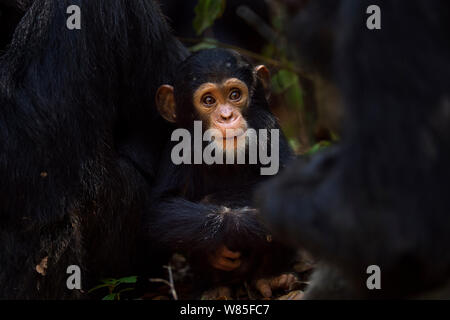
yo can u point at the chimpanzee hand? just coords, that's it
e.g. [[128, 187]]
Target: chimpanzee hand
[[284, 281], [224, 259]]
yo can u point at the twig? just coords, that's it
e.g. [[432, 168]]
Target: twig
[[248, 53], [169, 283], [172, 284], [257, 23], [159, 280]]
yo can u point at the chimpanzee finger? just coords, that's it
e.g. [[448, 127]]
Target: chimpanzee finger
[[264, 288]]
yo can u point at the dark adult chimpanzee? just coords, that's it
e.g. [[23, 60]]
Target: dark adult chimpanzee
[[79, 141], [204, 210], [381, 197]]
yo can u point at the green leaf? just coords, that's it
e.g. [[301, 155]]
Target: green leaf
[[295, 144], [207, 43], [125, 290], [268, 51], [277, 23], [99, 287], [110, 281], [287, 83], [334, 136], [294, 95], [111, 296], [131, 279], [283, 80], [318, 146], [206, 12]]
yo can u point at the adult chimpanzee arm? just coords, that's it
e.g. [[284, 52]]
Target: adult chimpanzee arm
[[186, 226]]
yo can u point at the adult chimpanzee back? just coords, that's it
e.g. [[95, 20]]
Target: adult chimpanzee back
[[79, 138]]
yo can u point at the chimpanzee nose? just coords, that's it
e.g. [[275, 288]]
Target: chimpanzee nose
[[226, 114]]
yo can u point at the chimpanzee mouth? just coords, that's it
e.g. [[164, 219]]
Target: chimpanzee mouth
[[234, 136]]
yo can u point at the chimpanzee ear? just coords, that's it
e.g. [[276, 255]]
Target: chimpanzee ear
[[165, 102], [263, 74]]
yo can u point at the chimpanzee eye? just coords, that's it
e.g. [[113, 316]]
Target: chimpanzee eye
[[235, 95], [208, 100]]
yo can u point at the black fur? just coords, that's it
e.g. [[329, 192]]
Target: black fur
[[204, 207], [381, 197], [79, 141]]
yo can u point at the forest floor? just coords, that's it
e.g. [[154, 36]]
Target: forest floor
[[180, 284]]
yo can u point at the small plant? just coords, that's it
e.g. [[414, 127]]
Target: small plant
[[113, 287], [206, 12]]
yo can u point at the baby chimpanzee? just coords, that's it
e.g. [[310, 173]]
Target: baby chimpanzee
[[203, 208]]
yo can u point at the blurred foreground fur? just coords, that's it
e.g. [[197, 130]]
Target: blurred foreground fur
[[381, 196]]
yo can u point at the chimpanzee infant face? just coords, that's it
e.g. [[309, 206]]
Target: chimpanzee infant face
[[215, 87], [220, 106]]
